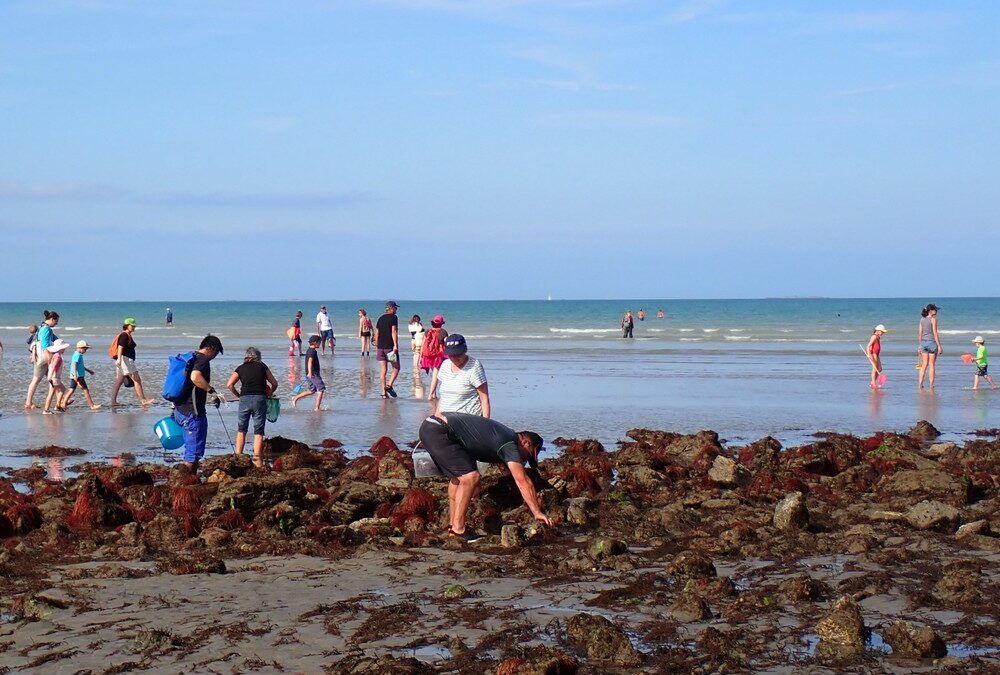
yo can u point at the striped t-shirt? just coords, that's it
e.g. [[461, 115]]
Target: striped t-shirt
[[457, 392]]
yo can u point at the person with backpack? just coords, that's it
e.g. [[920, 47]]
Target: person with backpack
[[122, 350], [432, 352], [365, 332], [191, 400]]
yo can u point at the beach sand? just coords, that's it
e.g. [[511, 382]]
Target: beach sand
[[671, 554]]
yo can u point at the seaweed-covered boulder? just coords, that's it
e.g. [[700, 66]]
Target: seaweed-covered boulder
[[912, 641], [691, 565], [395, 469], [924, 431], [539, 660], [602, 640], [97, 506], [727, 472], [252, 495], [933, 515], [354, 501], [907, 487], [689, 607]]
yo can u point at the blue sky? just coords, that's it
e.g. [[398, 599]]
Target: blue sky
[[498, 149]]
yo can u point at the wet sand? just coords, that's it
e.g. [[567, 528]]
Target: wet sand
[[671, 554]]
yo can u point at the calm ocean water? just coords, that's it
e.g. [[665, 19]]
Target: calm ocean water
[[746, 368]]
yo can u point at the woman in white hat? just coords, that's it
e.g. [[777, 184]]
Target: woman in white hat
[[874, 349]]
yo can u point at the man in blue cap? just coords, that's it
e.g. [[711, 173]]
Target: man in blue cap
[[456, 441]]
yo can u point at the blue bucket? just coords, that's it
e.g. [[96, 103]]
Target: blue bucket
[[170, 433]]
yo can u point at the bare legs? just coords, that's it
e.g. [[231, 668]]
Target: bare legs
[[927, 366], [460, 493], [258, 447], [120, 380]]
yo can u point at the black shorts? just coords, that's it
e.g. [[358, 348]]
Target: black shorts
[[983, 371], [83, 384], [447, 453]]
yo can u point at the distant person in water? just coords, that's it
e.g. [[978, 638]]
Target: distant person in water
[[641, 314], [627, 324], [38, 348], [982, 363], [874, 349], [324, 326], [365, 332], [928, 344], [295, 335], [125, 364], [170, 317], [660, 314]]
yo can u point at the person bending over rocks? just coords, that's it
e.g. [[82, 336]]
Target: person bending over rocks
[[456, 441]]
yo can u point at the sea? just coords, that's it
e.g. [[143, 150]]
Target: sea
[[786, 368]]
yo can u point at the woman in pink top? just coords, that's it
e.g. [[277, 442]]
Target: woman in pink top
[[56, 387]]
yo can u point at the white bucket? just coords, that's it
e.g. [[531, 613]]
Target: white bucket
[[423, 465]]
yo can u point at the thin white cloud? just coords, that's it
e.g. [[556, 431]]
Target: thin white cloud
[[69, 192], [610, 119], [693, 10]]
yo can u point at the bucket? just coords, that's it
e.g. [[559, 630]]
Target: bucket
[[170, 433], [424, 466]]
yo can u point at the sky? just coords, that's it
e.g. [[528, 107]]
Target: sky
[[498, 149]]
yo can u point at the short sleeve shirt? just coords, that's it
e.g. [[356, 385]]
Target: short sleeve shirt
[[128, 345], [457, 391], [324, 322], [253, 378], [45, 336], [982, 357], [76, 367], [203, 365], [485, 440], [312, 356], [386, 322]]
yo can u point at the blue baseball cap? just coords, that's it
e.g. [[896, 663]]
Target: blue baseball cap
[[454, 345]]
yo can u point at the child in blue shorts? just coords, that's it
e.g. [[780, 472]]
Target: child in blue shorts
[[78, 376], [313, 378]]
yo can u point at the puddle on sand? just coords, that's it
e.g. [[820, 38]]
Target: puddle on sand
[[7, 617], [428, 653], [807, 644]]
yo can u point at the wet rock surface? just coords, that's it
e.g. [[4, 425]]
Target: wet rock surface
[[671, 553]]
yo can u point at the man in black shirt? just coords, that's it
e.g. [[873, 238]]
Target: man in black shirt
[[191, 414], [387, 347], [456, 441]]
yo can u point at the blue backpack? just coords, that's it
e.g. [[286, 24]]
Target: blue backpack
[[178, 379]]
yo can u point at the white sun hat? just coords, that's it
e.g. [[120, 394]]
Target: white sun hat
[[881, 328]]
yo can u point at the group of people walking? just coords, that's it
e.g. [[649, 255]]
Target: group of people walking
[[928, 350]]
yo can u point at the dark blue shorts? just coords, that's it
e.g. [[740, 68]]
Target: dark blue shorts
[[983, 370], [326, 335], [81, 381], [315, 383]]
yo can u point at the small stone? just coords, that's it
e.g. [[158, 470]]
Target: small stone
[[218, 476], [924, 430], [912, 641], [804, 588], [577, 511], [939, 449], [726, 471], [603, 640], [602, 548], [689, 607], [215, 537], [690, 565], [456, 592], [511, 536], [933, 515], [791, 512], [880, 515], [975, 527], [842, 633]]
